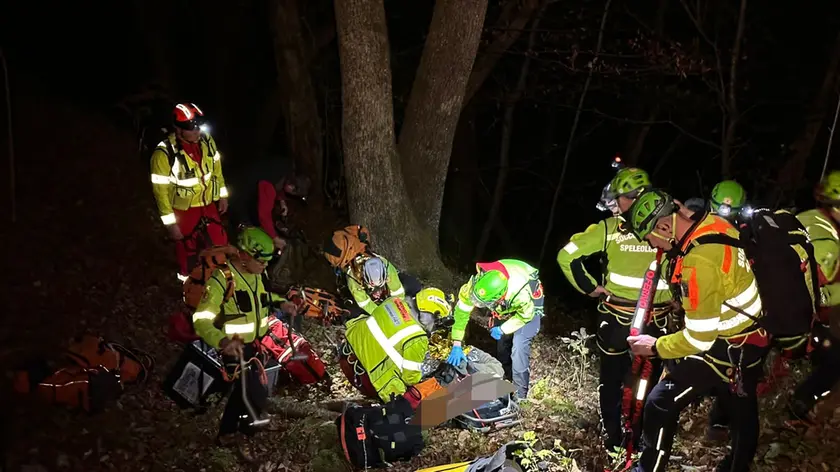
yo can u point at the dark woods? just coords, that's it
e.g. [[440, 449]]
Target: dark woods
[[691, 91]]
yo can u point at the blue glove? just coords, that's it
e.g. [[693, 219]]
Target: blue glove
[[496, 333], [456, 356]]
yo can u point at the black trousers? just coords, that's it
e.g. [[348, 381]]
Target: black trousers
[[613, 329], [410, 283], [689, 380], [825, 373], [236, 417]]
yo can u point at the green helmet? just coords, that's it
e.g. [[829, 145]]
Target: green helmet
[[629, 182], [488, 288], [647, 209], [256, 242], [729, 193], [828, 191]]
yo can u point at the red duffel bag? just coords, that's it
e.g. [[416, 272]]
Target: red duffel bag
[[309, 369]]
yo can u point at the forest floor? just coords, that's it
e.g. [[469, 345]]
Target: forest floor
[[87, 253]]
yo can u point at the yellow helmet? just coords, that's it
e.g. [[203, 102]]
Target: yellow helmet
[[433, 300]]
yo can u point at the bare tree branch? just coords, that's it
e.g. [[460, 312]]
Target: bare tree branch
[[556, 198]]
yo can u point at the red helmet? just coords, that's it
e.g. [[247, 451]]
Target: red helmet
[[187, 116]]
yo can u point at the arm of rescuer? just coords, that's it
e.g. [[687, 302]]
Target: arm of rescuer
[[415, 350], [527, 304], [266, 197], [826, 252], [209, 308], [162, 185], [217, 170], [359, 294], [395, 286], [703, 297], [463, 309], [580, 246]]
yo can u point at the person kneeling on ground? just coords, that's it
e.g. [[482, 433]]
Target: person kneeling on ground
[[384, 352], [234, 323]]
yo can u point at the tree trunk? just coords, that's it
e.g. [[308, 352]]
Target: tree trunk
[[507, 133], [636, 139], [457, 227], [153, 22], [376, 191], [299, 103], [425, 141], [792, 172], [510, 24]]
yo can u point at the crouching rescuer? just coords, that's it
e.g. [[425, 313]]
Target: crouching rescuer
[[624, 260], [233, 318], [383, 353], [720, 348], [511, 290]]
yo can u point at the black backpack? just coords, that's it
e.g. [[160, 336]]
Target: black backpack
[[789, 299], [374, 436]]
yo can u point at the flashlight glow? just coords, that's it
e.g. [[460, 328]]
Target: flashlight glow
[[205, 128]]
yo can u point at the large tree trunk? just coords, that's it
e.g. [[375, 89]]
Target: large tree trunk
[[299, 102], [791, 173], [376, 191], [425, 141]]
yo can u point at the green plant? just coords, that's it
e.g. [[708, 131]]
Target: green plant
[[533, 458], [580, 360]]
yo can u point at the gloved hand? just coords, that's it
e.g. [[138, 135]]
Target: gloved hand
[[496, 333], [456, 356]]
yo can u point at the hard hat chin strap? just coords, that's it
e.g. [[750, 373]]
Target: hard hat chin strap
[[672, 238]]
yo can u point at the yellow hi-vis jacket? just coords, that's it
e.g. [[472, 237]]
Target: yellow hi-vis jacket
[[244, 314], [390, 345], [180, 183]]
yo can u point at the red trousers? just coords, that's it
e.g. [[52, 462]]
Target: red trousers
[[186, 249]]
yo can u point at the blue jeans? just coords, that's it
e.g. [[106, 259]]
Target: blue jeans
[[514, 352]]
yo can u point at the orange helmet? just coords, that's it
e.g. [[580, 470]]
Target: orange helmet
[[187, 116]]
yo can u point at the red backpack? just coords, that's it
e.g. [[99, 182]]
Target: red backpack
[[276, 344]]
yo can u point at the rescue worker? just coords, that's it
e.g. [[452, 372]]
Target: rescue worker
[[372, 279], [719, 349], [729, 200], [262, 196], [624, 261], [822, 226], [235, 326], [511, 290], [695, 204], [384, 352], [188, 184]]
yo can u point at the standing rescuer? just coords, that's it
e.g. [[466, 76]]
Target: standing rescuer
[[188, 183], [822, 226], [624, 260], [235, 324], [720, 344], [511, 290]]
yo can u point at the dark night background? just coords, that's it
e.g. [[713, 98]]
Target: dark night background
[[654, 98]]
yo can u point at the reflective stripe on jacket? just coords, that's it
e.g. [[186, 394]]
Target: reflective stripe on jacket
[[716, 284], [244, 314], [390, 345], [626, 261], [822, 231], [180, 183]]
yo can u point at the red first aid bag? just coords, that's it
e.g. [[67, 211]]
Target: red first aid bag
[[276, 344]]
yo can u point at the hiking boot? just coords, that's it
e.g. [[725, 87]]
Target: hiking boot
[[238, 442], [717, 433]]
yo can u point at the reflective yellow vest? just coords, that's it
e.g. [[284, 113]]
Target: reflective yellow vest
[[180, 183]]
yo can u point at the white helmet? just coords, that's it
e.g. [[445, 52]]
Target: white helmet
[[374, 273]]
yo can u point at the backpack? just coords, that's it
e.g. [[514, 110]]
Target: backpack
[[373, 436], [345, 244], [276, 344], [208, 261], [94, 373], [789, 287], [318, 304]]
